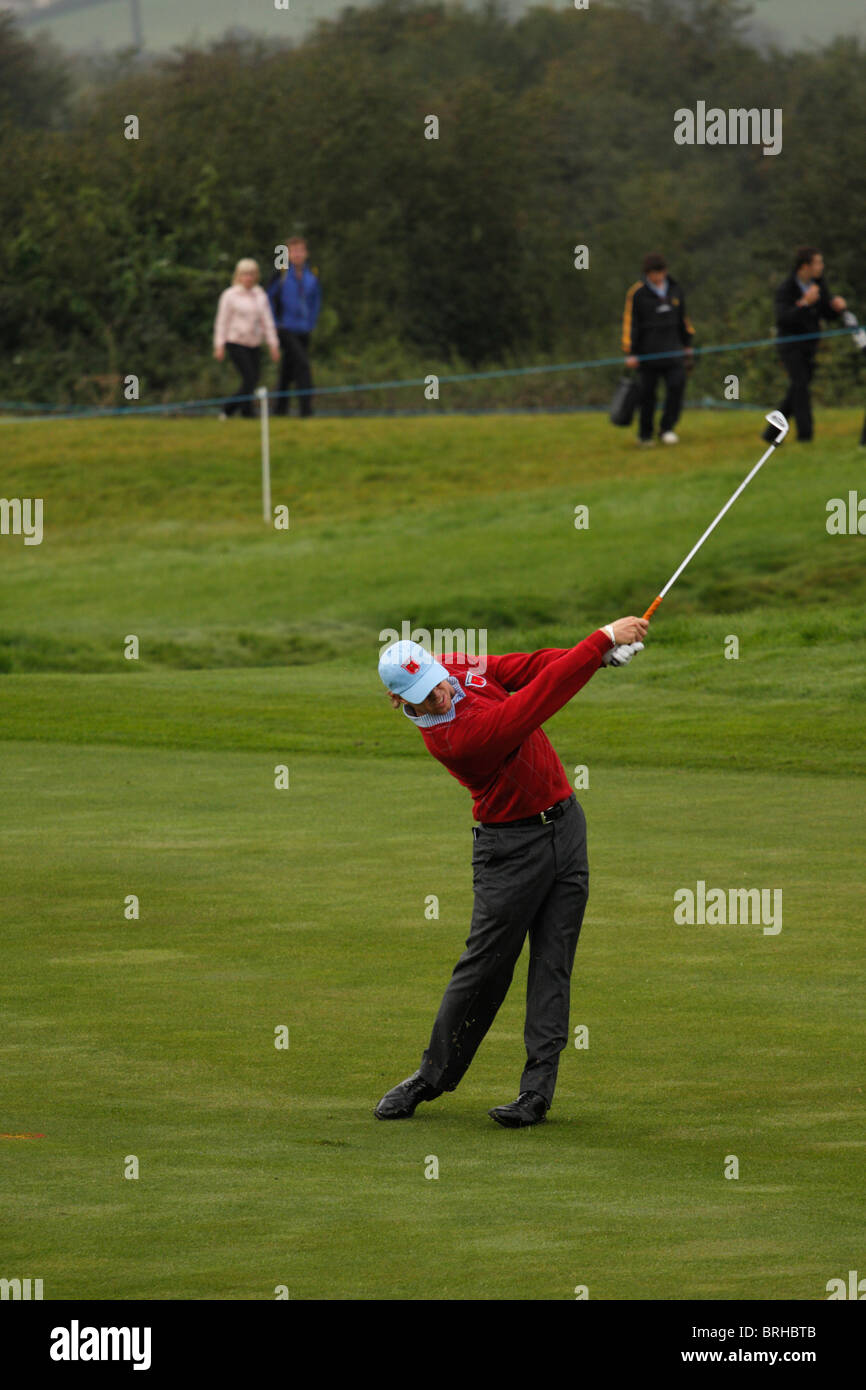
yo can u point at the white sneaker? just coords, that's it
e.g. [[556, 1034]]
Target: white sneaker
[[646, 443], [670, 438]]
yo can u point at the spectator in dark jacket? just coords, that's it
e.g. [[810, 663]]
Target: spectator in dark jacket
[[296, 297], [802, 301], [655, 322]]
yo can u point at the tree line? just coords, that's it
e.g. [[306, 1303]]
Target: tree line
[[555, 129]]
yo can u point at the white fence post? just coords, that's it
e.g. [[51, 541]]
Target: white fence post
[[262, 393]]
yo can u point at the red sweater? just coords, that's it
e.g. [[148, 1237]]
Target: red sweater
[[494, 745]]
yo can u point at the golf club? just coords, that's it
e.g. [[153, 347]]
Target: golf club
[[778, 421]]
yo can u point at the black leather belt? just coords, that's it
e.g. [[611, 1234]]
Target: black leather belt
[[542, 818]]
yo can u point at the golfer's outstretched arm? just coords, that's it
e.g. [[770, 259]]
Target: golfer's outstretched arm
[[514, 670], [508, 724]]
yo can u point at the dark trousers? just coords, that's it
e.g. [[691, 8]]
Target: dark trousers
[[248, 362], [530, 880], [674, 374], [800, 366], [294, 366]]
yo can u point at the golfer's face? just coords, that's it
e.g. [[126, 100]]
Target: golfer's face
[[439, 700], [816, 269]]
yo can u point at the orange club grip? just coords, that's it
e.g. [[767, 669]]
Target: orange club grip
[[652, 608]]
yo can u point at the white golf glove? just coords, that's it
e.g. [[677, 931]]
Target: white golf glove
[[850, 321], [621, 655]]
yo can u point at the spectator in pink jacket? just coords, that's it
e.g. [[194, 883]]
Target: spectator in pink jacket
[[243, 319]]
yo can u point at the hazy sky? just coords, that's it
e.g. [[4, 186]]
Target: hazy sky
[[802, 20], [168, 22]]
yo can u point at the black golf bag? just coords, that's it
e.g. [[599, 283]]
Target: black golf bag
[[625, 399]]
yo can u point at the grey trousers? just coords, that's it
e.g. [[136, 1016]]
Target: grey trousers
[[528, 879]]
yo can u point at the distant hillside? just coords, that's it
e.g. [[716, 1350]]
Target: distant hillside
[[167, 22]]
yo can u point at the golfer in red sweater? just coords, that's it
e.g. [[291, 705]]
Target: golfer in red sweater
[[529, 864]]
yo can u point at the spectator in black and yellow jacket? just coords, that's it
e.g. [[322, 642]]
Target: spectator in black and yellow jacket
[[655, 324]]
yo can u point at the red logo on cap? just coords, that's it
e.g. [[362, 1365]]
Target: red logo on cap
[[411, 667]]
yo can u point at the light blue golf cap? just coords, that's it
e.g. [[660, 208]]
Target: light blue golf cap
[[408, 670]]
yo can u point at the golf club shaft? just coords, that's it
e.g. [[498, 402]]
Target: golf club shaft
[[712, 526]]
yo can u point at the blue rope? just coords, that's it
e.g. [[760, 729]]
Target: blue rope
[[60, 412]]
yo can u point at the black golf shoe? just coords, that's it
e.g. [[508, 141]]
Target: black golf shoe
[[399, 1103], [529, 1109]]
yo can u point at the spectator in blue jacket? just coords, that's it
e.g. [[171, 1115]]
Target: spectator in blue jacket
[[296, 297]]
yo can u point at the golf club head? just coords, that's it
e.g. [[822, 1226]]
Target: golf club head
[[778, 421]]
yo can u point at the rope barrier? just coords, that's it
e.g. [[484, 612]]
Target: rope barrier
[[64, 412]]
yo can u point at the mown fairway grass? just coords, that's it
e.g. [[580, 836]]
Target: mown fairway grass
[[306, 907]]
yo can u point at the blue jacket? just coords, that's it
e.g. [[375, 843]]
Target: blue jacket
[[295, 303]]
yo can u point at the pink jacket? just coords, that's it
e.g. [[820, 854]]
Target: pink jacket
[[244, 316]]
